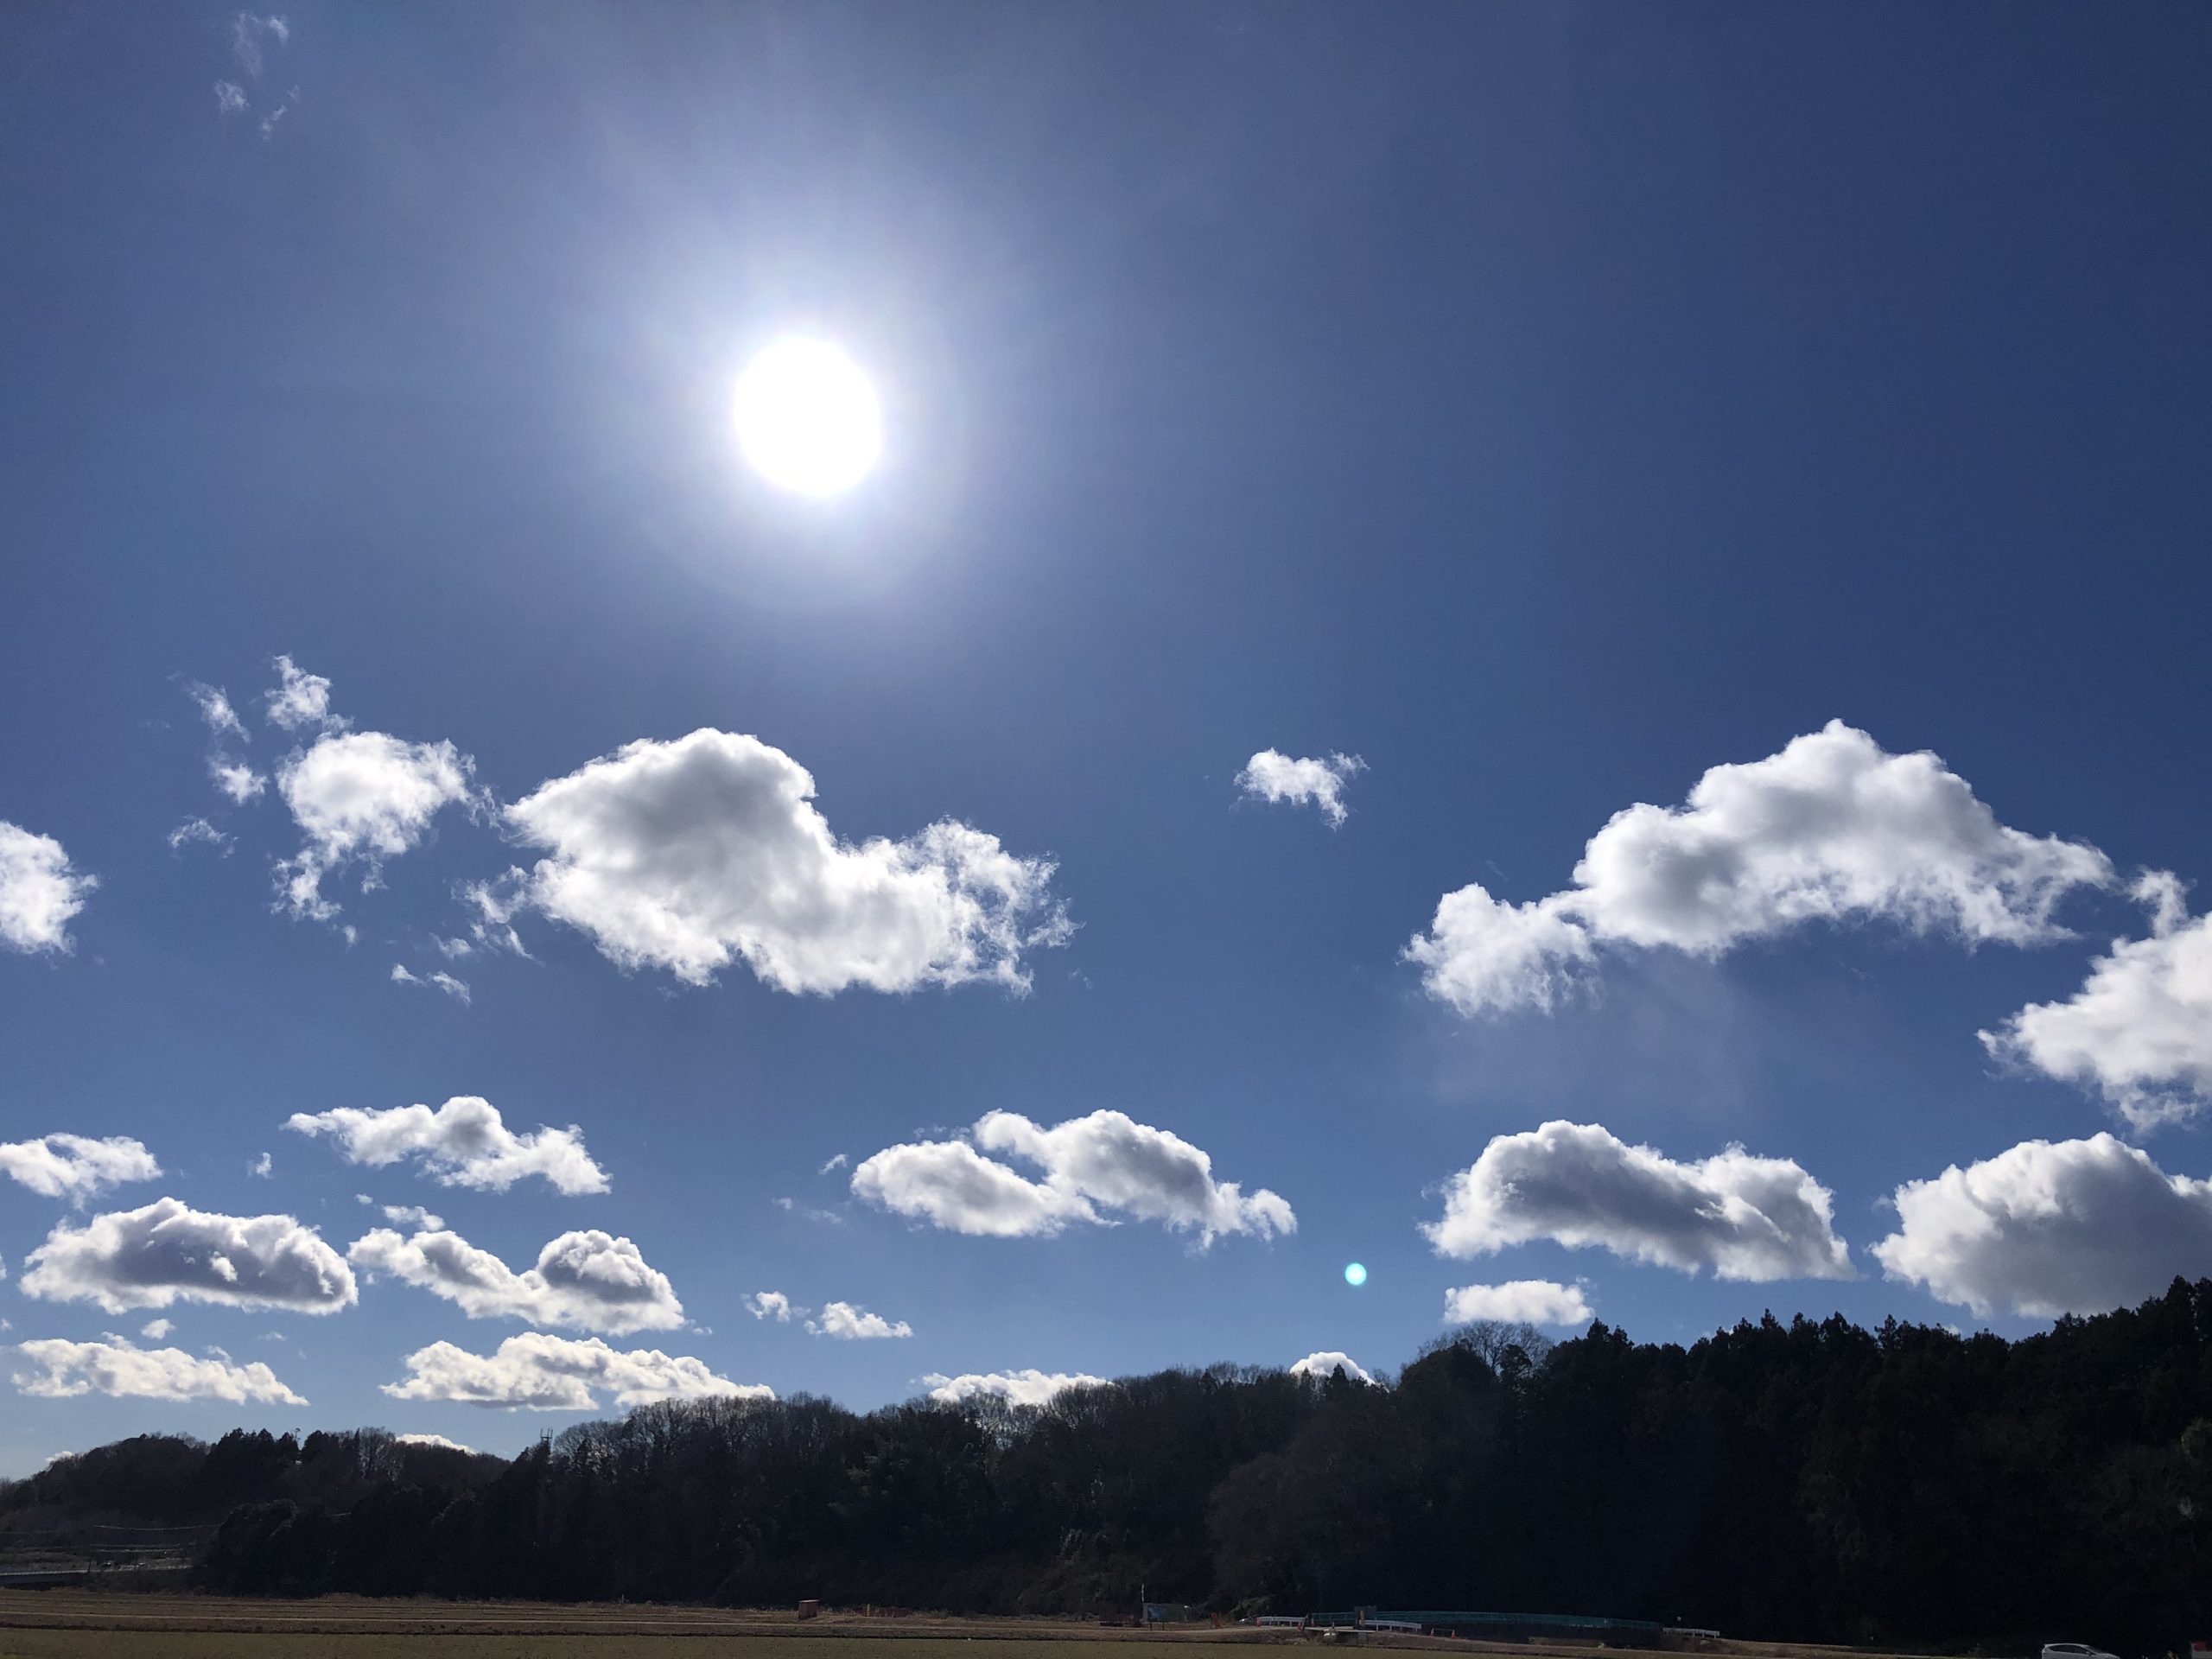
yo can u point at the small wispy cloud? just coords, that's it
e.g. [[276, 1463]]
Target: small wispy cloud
[[195, 831], [252, 36], [455, 989], [264, 1166]]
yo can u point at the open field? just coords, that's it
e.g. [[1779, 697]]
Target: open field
[[81, 1625]]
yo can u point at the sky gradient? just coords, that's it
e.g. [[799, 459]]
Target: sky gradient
[[1332, 465]]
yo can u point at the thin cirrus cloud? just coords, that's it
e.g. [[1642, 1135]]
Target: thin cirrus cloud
[[76, 1166], [1316, 781], [1833, 829], [464, 1142], [694, 854], [1518, 1301], [40, 892], [849, 1324], [538, 1372], [2138, 1033], [1092, 1170], [217, 709], [439, 981], [586, 1280], [236, 780], [1326, 1362], [1742, 1217], [1023, 1388], [196, 831], [166, 1253], [65, 1370], [2048, 1228]]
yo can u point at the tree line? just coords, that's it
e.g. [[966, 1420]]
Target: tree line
[[1808, 1481]]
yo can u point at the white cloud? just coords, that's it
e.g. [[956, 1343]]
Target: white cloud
[[198, 831], [835, 1162], [1272, 776], [362, 795], [264, 1166], [166, 1253], [300, 699], [230, 98], [463, 1143], [1833, 829], [772, 1305], [40, 891], [1518, 1301], [1094, 1169], [236, 780], [410, 1215], [75, 1166], [215, 708], [438, 1440], [850, 1324], [250, 34], [588, 1280], [2140, 1030], [1025, 1388], [455, 989], [450, 949], [694, 854], [1482, 954], [157, 1330], [496, 903], [1326, 1362], [545, 1373], [1745, 1217], [67, 1369], [2050, 1227]]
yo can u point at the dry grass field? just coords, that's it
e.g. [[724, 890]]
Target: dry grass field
[[76, 1625], [81, 1625]]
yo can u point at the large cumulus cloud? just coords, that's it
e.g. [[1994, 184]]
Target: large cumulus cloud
[[706, 850], [1833, 829], [464, 1142], [167, 1252], [76, 1166], [2139, 1031], [40, 892], [538, 1372], [1741, 1215], [58, 1370], [2051, 1227], [1029, 1387], [586, 1280], [1091, 1170]]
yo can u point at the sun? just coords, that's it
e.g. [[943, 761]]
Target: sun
[[807, 419]]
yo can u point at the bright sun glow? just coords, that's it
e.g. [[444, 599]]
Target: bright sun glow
[[1354, 1273], [807, 419]]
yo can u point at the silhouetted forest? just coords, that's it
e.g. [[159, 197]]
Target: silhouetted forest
[[1802, 1481]]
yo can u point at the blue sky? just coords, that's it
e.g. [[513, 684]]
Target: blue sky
[[1546, 406]]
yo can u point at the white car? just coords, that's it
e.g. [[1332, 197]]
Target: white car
[[2073, 1650]]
